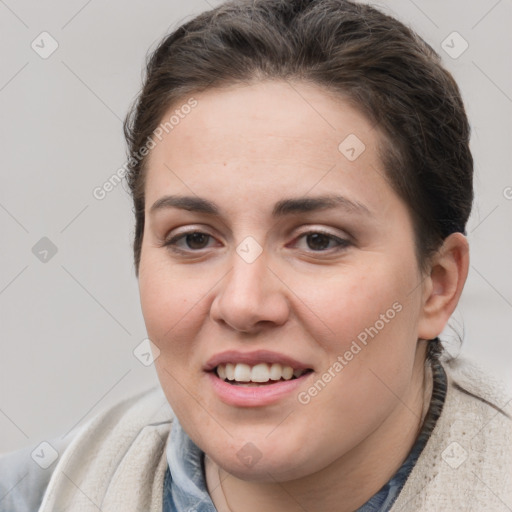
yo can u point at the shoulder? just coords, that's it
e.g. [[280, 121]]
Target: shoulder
[[467, 462], [478, 419], [26, 473], [466, 376], [478, 416], [478, 404]]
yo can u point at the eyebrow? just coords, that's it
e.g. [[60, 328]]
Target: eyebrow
[[281, 208]]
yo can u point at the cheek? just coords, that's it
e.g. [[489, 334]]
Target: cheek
[[348, 305], [371, 337], [172, 309], [170, 305]]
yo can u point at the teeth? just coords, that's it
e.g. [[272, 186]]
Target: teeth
[[276, 371], [261, 372], [230, 371], [287, 372], [221, 371], [242, 373]]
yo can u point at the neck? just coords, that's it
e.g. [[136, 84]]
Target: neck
[[362, 471]]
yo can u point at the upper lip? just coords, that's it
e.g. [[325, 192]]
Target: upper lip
[[253, 358]]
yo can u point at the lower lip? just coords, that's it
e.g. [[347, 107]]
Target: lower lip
[[254, 396]]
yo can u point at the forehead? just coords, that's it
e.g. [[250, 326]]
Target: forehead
[[259, 140]]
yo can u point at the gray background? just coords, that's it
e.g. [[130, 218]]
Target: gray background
[[69, 325]]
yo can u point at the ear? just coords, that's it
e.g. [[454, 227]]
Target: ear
[[443, 285]]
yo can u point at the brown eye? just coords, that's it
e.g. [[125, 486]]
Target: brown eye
[[319, 241], [191, 241], [197, 240]]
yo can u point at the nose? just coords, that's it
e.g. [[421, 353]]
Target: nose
[[251, 296]]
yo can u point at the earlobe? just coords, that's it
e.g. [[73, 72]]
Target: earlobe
[[443, 286]]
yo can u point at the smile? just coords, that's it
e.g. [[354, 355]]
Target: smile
[[256, 378], [261, 373]]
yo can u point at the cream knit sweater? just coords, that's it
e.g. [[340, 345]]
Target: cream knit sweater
[[117, 462]]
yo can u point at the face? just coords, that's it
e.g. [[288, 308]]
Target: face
[[258, 274]]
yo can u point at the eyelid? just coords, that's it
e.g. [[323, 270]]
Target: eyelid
[[324, 231], [306, 230], [342, 241], [170, 241], [187, 230]]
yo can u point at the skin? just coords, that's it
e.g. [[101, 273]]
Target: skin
[[245, 148]]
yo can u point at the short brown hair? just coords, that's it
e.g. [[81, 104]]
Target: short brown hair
[[390, 74]]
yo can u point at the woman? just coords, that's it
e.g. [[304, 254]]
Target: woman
[[302, 180]]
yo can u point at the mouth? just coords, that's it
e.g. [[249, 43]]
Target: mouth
[[257, 378], [260, 374]]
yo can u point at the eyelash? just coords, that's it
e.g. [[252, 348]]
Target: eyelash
[[341, 242]]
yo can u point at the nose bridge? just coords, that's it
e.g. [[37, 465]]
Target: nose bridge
[[249, 265], [250, 293], [248, 279]]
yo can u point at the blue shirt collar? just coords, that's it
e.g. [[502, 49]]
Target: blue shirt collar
[[186, 489]]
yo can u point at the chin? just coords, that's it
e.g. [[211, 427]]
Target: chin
[[248, 462]]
